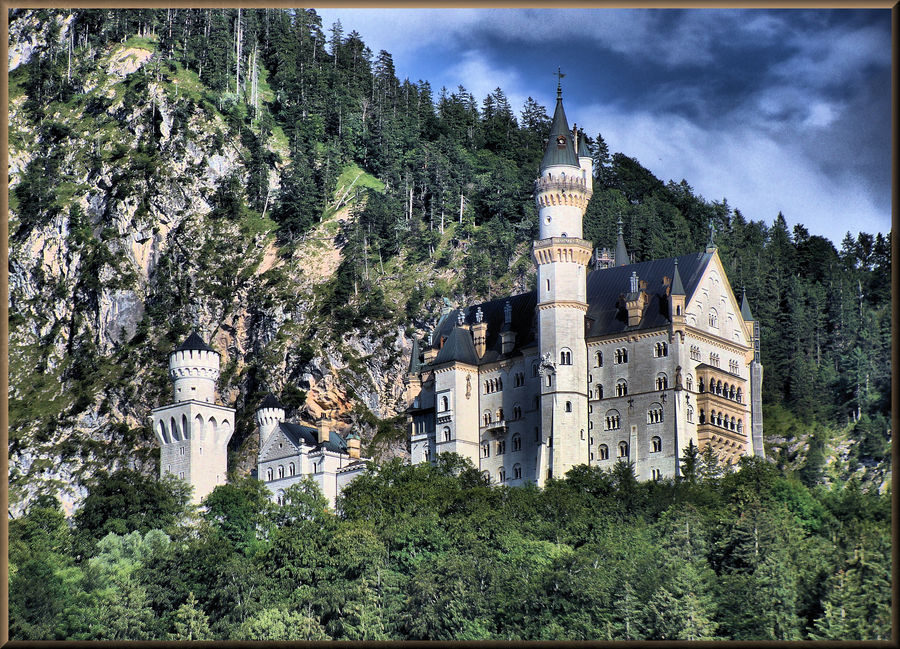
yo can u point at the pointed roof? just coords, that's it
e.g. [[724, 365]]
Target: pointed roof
[[414, 362], [271, 401], [745, 307], [621, 250], [458, 347], [583, 151], [677, 286], [194, 342], [560, 148]]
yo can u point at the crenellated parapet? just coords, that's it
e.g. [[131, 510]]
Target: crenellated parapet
[[194, 373], [550, 191]]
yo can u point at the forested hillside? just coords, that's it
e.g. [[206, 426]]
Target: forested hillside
[[270, 182]]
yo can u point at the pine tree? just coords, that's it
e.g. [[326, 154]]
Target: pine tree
[[190, 623]]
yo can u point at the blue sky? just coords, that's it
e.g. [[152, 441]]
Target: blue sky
[[775, 110]]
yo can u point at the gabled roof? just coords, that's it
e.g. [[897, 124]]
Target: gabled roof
[[271, 401], [606, 311], [606, 314], [298, 433], [559, 151], [194, 342], [458, 347]]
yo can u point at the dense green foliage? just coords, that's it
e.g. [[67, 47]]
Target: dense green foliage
[[434, 552]]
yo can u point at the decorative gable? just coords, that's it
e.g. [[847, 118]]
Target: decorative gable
[[279, 445], [713, 306]]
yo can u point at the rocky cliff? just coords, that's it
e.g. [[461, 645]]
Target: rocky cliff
[[126, 253]]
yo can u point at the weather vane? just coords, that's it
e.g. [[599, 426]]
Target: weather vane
[[559, 76]]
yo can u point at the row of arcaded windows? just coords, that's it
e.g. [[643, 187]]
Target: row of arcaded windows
[[603, 449], [500, 446], [729, 391], [662, 383], [722, 420], [270, 473], [493, 385], [501, 473]]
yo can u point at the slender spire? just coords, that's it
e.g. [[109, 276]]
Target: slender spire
[[677, 286], [583, 151], [621, 250], [560, 148], [414, 363], [745, 307]]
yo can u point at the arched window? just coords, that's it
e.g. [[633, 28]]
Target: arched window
[[176, 435], [565, 357], [292, 470], [738, 396], [700, 385], [689, 382], [690, 414], [623, 449], [446, 433], [612, 420], [655, 445], [718, 387], [501, 447], [534, 369], [485, 450], [621, 388], [599, 359], [733, 423], [269, 475], [600, 391], [517, 411], [661, 349], [517, 442], [713, 318], [501, 474], [280, 497], [445, 404], [604, 452], [280, 472], [702, 416], [517, 472], [655, 414], [568, 406], [655, 474], [487, 417], [185, 428], [662, 381], [163, 433], [731, 392], [740, 426], [499, 414]]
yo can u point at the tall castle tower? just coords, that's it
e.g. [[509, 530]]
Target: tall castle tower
[[193, 432], [561, 254]]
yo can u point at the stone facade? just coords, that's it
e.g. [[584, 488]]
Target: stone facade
[[628, 361]]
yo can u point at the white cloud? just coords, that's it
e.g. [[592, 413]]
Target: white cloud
[[756, 173]]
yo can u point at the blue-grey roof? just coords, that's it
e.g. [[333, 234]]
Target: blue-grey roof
[[559, 151], [458, 347], [583, 150], [194, 342], [677, 285], [745, 308], [308, 435], [606, 289], [415, 362]]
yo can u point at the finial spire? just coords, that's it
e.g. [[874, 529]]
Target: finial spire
[[711, 244], [559, 75], [507, 313], [621, 258], [677, 285]]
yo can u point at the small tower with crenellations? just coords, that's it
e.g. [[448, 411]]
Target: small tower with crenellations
[[193, 432], [562, 256]]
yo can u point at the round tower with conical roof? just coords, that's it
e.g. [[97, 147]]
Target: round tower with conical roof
[[561, 254]]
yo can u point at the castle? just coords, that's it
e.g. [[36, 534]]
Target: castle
[[288, 453], [627, 362]]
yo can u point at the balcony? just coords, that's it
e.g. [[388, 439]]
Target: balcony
[[494, 428]]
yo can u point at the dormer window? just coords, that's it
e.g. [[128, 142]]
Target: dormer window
[[560, 140]]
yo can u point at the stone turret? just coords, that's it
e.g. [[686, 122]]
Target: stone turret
[[194, 370], [269, 414]]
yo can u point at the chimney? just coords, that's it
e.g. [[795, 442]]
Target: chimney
[[507, 335], [479, 333], [323, 426], [634, 301]]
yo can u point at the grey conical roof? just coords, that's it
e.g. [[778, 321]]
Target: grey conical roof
[[583, 151], [271, 401], [745, 307], [621, 250], [560, 148], [458, 347], [194, 342], [677, 286], [414, 363]]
